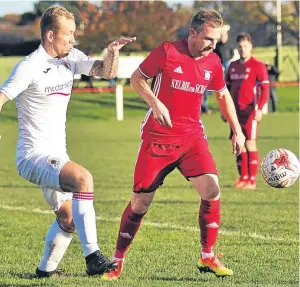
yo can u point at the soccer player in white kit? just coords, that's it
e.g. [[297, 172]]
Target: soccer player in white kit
[[41, 84]]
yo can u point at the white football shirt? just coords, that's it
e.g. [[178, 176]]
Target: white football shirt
[[42, 87]]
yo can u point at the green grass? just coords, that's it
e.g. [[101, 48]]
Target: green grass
[[259, 230]]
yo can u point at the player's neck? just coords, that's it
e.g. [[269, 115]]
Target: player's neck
[[244, 60], [49, 49]]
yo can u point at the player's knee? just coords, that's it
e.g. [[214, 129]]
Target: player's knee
[[84, 182], [66, 223], [250, 145], [145, 204], [141, 202], [212, 191]]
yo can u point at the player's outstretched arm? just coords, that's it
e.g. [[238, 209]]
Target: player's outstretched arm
[[3, 100], [108, 68], [228, 111], [160, 112]]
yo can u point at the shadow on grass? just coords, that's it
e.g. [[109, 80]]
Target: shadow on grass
[[32, 276], [171, 202], [8, 118], [72, 116], [174, 279]]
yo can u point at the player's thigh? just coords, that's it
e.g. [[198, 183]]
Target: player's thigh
[[207, 186], [154, 162], [75, 178], [197, 160], [43, 170]]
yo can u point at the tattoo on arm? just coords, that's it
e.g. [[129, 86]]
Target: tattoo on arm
[[108, 68]]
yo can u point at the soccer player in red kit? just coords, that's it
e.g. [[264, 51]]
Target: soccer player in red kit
[[173, 137], [245, 77]]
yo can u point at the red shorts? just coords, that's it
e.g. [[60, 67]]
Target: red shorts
[[249, 126], [155, 161]]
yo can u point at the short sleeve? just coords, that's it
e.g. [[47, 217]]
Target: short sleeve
[[19, 80], [154, 63], [262, 74], [217, 82], [83, 63]]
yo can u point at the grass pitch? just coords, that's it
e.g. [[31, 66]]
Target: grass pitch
[[259, 229]]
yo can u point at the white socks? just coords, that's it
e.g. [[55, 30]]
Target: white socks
[[85, 221], [207, 255], [57, 242], [118, 259]]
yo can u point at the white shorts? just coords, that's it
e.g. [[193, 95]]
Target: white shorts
[[43, 170]]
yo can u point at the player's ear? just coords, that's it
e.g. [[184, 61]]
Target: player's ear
[[193, 32], [50, 36]]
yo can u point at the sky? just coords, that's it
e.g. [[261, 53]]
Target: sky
[[20, 7]]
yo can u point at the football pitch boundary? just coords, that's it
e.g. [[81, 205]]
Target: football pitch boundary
[[166, 225]]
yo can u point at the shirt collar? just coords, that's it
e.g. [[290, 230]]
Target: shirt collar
[[42, 51]]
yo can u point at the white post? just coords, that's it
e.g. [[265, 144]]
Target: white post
[[119, 102], [279, 34]]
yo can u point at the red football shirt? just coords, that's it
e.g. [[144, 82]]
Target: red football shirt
[[179, 81], [244, 79]]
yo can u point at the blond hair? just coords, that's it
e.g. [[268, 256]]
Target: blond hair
[[50, 19], [207, 17]]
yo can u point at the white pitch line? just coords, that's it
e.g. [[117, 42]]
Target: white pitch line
[[165, 225]]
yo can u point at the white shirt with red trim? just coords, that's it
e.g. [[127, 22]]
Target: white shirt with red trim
[[42, 87]]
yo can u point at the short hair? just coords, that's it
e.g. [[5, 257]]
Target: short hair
[[243, 37], [50, 19], [207, 17]]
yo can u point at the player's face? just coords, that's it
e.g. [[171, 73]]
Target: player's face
[[205, 41], [63, 39], [244, 48]]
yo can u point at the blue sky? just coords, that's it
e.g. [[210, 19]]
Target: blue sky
[[20, 7]]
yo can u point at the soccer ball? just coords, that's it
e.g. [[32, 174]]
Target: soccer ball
[[280, 168]]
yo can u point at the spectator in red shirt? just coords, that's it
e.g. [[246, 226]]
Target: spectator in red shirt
[[244, 77]]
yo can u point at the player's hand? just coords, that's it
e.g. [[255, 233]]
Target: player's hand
[[119, 43], [223, 118], [258, 115], [161, 114], [238, 142]]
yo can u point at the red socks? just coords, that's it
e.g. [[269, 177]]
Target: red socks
[[209, 221], [130, 223], [253, 165], [244, 166]]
